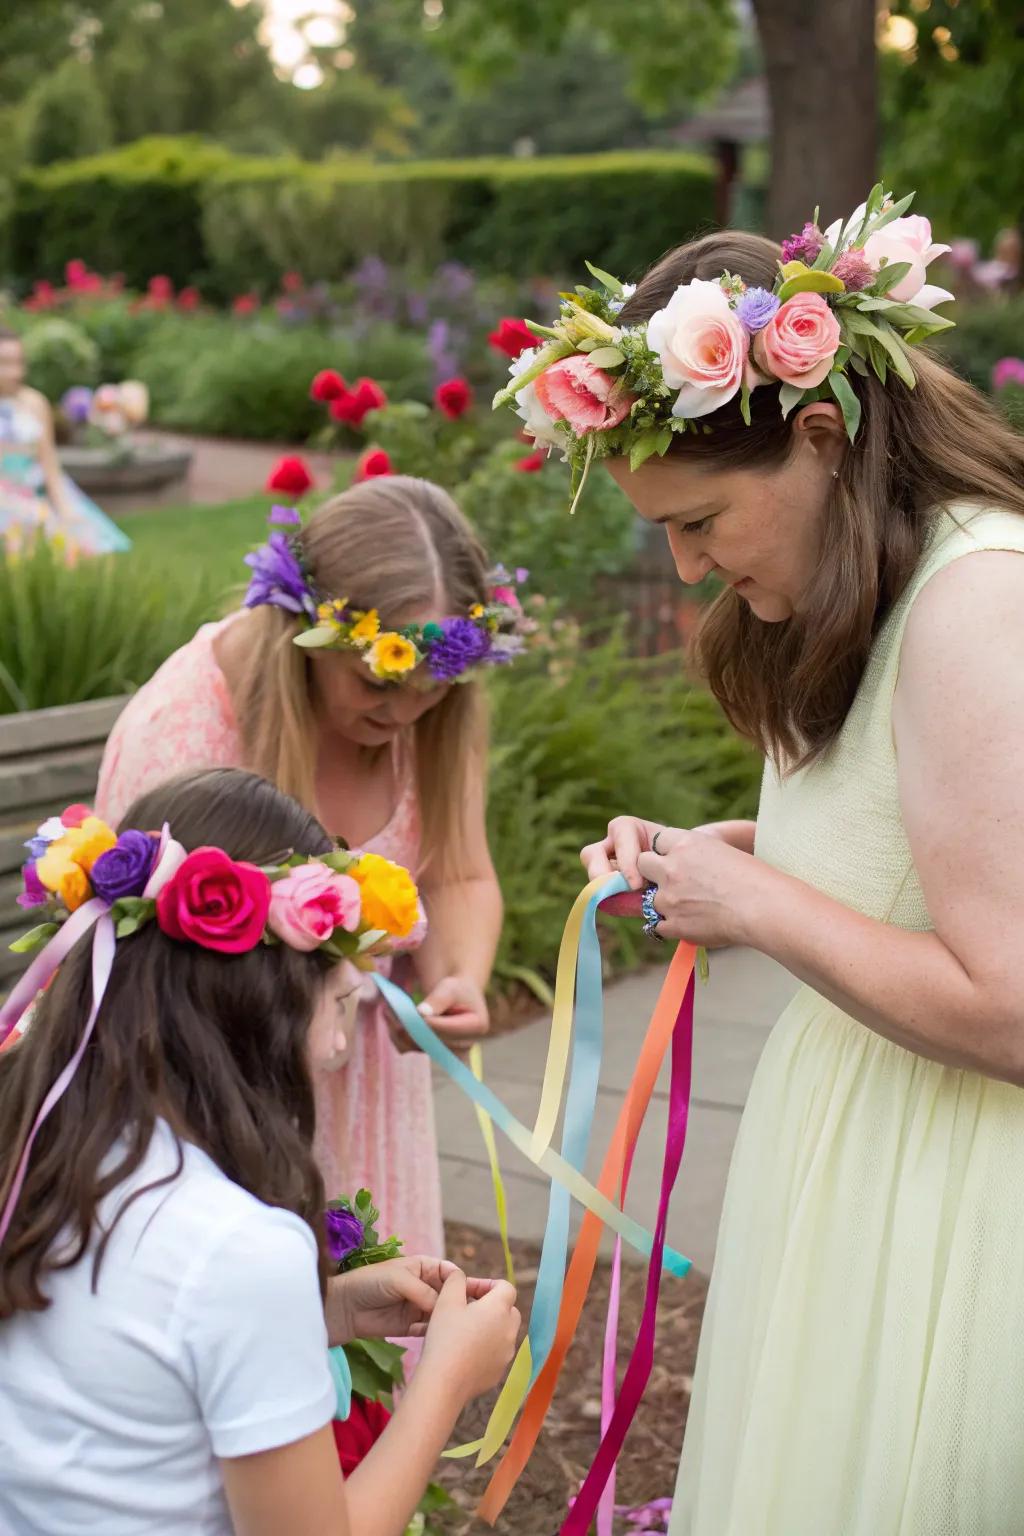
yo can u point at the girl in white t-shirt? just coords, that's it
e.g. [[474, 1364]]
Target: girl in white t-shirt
[[165, 1314]]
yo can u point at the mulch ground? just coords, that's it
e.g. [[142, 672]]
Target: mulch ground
[[571, 1435]]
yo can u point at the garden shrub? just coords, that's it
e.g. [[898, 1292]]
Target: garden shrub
[[984, 333], [58, 354], [198, 213]]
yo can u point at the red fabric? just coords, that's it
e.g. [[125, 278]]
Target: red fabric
[[356, 1437]]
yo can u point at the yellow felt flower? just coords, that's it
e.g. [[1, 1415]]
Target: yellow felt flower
[[60, 873], [365, 630], [87, 842], [390, 900], [392, 655], [477, 611]]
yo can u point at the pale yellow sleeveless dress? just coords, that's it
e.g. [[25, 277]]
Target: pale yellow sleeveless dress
[[861, 1367]]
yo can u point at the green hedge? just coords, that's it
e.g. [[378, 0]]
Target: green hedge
[[201, 214]]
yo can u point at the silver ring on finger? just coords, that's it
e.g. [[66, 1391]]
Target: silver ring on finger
[[652, 917]]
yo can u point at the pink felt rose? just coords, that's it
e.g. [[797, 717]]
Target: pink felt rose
[[586, 397], [799, 342], [216, 902], [703, 348], [310, 902]]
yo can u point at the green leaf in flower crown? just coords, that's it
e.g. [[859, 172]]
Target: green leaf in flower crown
[[745, 402], [843, 391], [889, 275], [369, 939], [897, 351], [879, 358], [374, 1374], [824, 258], [607, 357], [790, 396], [316, 639], [811, 282], [858, 365], [130, 914], [895, 212], [605, 278], [913, 317], [642, 449], [34, 939]]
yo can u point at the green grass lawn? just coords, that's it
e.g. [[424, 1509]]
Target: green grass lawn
[[200, 546]]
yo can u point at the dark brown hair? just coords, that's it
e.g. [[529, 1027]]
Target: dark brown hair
[[789, 686], [399, 545], [216, 1043]]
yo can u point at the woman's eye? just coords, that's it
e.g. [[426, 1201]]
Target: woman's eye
[[700, 527]]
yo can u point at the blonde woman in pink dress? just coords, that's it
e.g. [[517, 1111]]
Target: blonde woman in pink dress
[[394, 763]]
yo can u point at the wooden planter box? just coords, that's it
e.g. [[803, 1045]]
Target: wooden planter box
[[49, 758]]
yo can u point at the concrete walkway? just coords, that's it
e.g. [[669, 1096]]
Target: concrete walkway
[[734, 1013]]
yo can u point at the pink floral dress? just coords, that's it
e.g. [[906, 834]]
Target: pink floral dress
[[375, 1116]]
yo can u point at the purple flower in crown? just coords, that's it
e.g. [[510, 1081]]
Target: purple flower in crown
[[504, 648], [344, 1232], [124, 870], [461, 645], [278, 578], [806, 246], [35, 893], [756, 308]]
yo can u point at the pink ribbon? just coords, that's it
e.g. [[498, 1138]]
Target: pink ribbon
[[38, 974], [638, 1371], [606, 1508]]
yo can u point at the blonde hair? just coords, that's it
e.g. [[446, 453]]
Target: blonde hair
[[398, 545]]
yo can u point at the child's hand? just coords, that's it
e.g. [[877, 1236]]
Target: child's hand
[[456, 1010], [393, 1300], [472, 1342]]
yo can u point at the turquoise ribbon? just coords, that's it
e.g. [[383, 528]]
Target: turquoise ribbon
[[341, 1375]]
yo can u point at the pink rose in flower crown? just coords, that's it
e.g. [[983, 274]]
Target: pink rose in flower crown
[[703, 348], [799, 342], [310, 902], [216, 902], [587, 398], [908, 239]]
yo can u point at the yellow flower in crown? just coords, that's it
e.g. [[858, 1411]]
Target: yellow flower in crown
[[87, 842], [59, 872], [330, 613], [390, 900], [392, 655], [365, 630], [477, 611]]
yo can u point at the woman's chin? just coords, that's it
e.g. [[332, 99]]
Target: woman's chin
[[769, 607]]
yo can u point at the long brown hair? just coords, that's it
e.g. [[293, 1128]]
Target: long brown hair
[[395, 544], [789, 686], [215, 1043]]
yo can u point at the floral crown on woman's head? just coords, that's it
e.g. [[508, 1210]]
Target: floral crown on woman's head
[[854, 297], [491, 633]]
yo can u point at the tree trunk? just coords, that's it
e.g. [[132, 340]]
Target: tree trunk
[[820, 64]]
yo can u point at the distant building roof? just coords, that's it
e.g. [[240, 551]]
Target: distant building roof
[[739, 116]]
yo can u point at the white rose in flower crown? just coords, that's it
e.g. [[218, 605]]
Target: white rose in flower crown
[[703, 348], [538, 422]]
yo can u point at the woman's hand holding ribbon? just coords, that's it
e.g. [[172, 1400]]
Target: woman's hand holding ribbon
[[707, 890]]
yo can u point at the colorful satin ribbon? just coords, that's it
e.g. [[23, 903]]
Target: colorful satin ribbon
[[476, 1066], [669, 1008], [91, 913]]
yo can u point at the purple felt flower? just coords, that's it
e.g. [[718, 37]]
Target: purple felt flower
[[124, 870], [277, 577], [756, 308], [35, 893], [344, 1232], [461, 645]]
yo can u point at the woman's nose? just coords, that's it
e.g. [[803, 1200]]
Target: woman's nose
[[692, 566]]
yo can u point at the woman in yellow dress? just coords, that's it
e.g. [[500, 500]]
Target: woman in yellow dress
[[862, 1352]]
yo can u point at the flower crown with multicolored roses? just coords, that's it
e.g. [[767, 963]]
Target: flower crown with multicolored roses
[[492, 633], [854, 297], [351, 906], [83, 876]]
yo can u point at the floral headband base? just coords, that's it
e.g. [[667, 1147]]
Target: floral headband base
[[350, 906], [493, 633], [851, 298]]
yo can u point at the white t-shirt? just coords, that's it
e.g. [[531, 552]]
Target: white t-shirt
[[205, 1339]]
